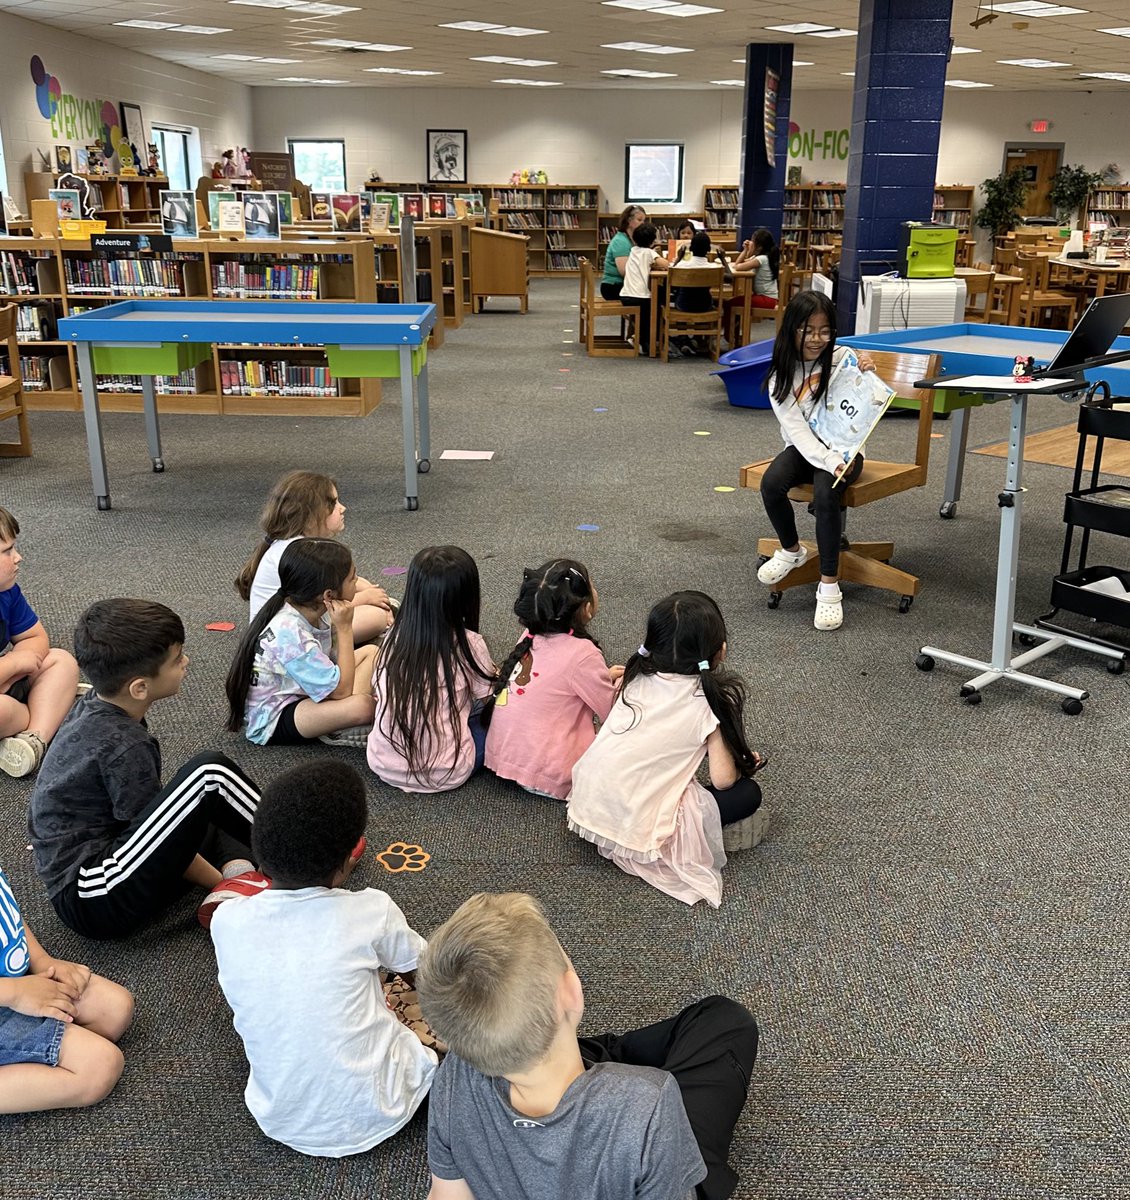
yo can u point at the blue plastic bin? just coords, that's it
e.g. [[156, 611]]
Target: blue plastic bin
[[744, 373]]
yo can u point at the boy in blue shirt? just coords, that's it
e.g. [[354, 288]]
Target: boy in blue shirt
[[37, 683]]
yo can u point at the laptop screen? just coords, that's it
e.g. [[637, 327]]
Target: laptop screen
[[1094, 333]]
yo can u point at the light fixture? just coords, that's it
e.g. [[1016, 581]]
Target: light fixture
[[834, 33], [529, 82], [316, 10], [489, 27], [515, 62], [254, 58], [646, 47], [964, 50], [1117, 76], [147, 24], [1036, 8], [206, 29], [398, 71], [1035, 63], [347, 44], [1123, 32], [665, 8], [729, 82], [628, 73], [849, 74], [965, 83], [799, 27], [304, 79]]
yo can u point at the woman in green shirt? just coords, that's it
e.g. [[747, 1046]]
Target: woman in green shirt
[[616, 256]]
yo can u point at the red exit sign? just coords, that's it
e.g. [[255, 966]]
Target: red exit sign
[[1040, 126]]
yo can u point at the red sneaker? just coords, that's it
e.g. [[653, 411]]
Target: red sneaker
[[250, 883]]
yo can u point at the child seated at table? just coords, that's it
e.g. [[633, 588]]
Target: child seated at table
[[642, 260], [691, 299]]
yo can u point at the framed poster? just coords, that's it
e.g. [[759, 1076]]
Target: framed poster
[[132, 124], [447, 155]]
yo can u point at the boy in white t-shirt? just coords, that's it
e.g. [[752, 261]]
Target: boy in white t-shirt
[[333, 1072], [642, 260]]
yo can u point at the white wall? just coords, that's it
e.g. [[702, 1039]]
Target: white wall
[[92, 70]]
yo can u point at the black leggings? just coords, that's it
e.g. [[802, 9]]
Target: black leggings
[[611, 291], [737, 802], [789, 469]]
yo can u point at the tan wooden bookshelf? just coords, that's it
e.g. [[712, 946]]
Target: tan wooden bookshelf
[[813, 213], [953, 205], [125, 200], [720, 214]]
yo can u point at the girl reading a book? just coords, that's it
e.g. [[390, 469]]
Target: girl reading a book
[[804, 357]]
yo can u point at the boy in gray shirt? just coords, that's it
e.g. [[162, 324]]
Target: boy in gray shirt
[[523, 1109]]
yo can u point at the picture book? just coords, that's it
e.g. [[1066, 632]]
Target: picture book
[[437, 204], [393, 202], [474, 203], [215, 199], [261, 215], [11, 210], [346, 207], [412, 205], [178, 214], [285, 203], [320, 206], [378, 218], [95, 160], [62, 158], [229, 217], [66, 202], [82, 160], [851, 407]]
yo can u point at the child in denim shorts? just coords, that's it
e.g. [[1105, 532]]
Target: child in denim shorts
[[58, 1023]]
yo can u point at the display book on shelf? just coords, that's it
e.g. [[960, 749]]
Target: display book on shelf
[[122, 201], [290, 380]]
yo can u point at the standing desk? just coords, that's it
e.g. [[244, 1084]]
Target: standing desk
[[976, 349], [163, 337]]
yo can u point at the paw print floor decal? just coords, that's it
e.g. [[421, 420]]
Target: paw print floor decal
[[403, 856]]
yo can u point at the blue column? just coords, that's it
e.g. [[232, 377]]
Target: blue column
[[762, 196], [896, 119]]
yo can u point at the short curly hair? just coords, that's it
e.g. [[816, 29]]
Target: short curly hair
[[308, 820]]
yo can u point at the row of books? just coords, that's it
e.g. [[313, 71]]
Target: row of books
[[523, 220], [721, 197], [35, 369], [239, 280], [827, 198], [562, 220], [564, 262], [124, 276], [827, 220], [725, 218], [275, 377], [578, 199], [36, 322], [19, 274], [184, 384], [1109, 198]]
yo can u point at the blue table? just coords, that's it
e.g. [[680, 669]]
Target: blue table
[[977, 349], [163, 337]]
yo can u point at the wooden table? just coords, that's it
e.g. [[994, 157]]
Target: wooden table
[[1113, 275]]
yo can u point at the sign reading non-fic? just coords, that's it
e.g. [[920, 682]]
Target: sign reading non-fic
[[812, 144]]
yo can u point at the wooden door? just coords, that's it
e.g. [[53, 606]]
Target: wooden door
[[1040, 163]]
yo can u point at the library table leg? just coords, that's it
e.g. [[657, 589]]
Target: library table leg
[[93, 418], [152, 423], [424, 464], [408, 418]]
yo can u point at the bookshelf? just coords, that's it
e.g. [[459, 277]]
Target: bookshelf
[[813, 212], [126, 200], [63, 278], [720, 214], [953, 205], [666, 227], [1110, 204], [455, 266]]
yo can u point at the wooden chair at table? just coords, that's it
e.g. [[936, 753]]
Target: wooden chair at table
[[1037, 297], [978, 295], [594, 306], [707, 324], [745, 313], [1004, 261], [12, 387], [868, 562]]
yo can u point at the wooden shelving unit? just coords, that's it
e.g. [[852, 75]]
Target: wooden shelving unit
[[813, 213], [1110, 204], [720, 214], [953, 205], [126, 200]]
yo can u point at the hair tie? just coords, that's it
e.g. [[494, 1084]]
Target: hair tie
[[643, 651], [704, 665], [267, 539]]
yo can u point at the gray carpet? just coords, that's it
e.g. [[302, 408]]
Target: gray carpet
[[934, 934]]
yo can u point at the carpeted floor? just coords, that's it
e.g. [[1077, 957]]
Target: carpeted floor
[[934, 934]]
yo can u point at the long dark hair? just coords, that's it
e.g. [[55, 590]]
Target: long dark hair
[[308, 568], [684, 630], [427, 647], [786, 357], [549, 601], [765, 243]]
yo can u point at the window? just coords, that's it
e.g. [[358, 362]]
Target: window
[[175, 146], [653, 173], [319, 163]]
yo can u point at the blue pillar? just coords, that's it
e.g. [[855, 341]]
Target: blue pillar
[[762, 197], [896, 119]]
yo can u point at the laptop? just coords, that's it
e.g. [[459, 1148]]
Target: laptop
[[1093, 334]]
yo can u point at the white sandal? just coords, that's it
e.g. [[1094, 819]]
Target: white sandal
[[782, 563], [829, 610]]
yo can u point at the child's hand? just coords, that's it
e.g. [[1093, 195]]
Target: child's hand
[[42, 996], [22, 663], [866, 362], [616, 673], [73, 976], [374, 595], [341, 613]]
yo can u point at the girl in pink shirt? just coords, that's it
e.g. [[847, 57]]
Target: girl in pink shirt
[[553, 684], [433, 673]]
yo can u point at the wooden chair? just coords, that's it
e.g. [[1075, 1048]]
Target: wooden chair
[[743, 313], [978, 295], [12, 387], [868, 562], [594, 306], [707, 324], [1037, 297]]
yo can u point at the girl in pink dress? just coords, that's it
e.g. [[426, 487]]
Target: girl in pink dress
[[553, 684]]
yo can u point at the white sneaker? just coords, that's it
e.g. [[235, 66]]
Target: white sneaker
[[775, 569], [21, 754], [829, 610], [356, 737]]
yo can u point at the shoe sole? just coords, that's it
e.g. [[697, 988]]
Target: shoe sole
[[744, 835], [17, 757]]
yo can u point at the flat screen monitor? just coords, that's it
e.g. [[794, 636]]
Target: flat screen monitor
[[1093, 335]]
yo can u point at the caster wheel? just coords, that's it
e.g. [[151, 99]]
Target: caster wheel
[[774, 599], [1116, 666], [1072, 707], [904, 603], [411, 503], [424, 466], [103, 503], [1026, 639], [948, 510], [924, 662], [970, 695], [158, 466]]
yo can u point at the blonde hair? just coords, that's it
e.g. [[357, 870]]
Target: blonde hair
[[296, 501], [488, 982]]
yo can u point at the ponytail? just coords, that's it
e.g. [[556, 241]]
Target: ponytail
[[238, 682]]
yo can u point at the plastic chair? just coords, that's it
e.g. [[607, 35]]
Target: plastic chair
[[12, 388]]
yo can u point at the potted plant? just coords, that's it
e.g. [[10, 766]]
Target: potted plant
[[1005, 197], [1070, 187]]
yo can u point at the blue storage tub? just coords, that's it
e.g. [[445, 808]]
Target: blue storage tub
[[745, 371]]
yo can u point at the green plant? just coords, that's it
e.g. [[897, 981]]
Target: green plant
[[1069, 189], [1005, 197]]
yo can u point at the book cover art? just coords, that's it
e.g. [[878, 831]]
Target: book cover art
[[393, 202], [851, 407], [215, 199], [379, 218], [229, 217], [320, 206], [285, 204], [474, 202], [82, 160], [178, 214], [412, 205], [437, 204], [66, 203], [260, 215], [346, 208], [62, 158]]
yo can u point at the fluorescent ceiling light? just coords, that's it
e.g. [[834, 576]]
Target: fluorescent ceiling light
[[964, 50], [488, 27], [264, 3], [666, 8], [198, 29], [799, 62], [626, 71], [834, 33], [279, 62], [1036, 8], [346, 44], [515, 62], [529, 82], [799, 27], [317, 10], [1030, 62], [303, 79], [147, 24], [646, 48], [1118, 76], [398, 71], [1123, 32], [849, 74], [237, 57], [729, 82], [965, 83]]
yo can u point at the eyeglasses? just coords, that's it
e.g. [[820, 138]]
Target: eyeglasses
[[818, 335]]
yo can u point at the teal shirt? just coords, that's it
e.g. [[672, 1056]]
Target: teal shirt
[[619, 247]]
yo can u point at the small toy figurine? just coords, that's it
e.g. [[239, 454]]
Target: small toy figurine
[[154, 159], [1022, 368], [515, 177], [542, 176]]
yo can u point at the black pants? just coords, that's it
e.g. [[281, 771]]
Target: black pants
[[737, 802], [710, 1048], [611, 291], [786, 471], [206, 808], [644, 305]]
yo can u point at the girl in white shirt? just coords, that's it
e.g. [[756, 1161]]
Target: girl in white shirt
[[803, 358]]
